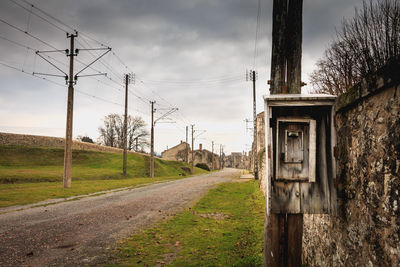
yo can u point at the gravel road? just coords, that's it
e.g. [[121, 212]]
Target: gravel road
[[81, 232]]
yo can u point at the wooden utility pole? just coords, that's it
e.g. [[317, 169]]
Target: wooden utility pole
[[293, 44], [125, 125], [152, 141], [254, 78], [70, 111], [212, 155], [192, 147], [71, 79], [128, 79], [187, 146], [278, 57], [284, 231]]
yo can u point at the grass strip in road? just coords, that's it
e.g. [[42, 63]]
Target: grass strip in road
[[225, 228]]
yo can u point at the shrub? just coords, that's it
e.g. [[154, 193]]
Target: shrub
[[203, 166]]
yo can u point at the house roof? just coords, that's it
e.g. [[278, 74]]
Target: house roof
[[176, 146]]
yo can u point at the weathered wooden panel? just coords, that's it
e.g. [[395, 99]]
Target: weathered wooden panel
[[285, 197], [315, 197], [312, 151], [292, 158], [294, 148]]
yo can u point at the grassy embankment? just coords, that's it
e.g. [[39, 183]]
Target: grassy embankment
[[225, 228], [30, 175]]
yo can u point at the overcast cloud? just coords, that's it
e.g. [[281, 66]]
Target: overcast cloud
[[190, 54]]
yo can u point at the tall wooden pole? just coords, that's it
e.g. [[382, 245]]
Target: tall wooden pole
[[293, 43], [278, 57], [152, 141], [70, 111], [284, 232], [125, 125], [254, 76]]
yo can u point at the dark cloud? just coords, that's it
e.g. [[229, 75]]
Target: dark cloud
[[165, 42]]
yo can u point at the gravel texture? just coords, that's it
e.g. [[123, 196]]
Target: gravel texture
[[81, 232]]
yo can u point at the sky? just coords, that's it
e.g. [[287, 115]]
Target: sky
[[185, 54]]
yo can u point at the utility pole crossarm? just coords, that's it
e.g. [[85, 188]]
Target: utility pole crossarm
[[51, 63], [164, 116], [201, 132], [94, 61]]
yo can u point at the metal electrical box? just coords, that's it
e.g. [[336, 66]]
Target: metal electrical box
[[300, 167]]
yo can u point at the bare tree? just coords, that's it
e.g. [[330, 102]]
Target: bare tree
[[137, 134], [112, 134], [364, 44], [108, 135]]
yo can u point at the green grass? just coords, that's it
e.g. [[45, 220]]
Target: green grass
[[31, 174], [225, 228], [32, 164]]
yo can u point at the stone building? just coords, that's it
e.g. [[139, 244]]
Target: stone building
[[205, 156], [201, 155], [177, 153], [260, 150]]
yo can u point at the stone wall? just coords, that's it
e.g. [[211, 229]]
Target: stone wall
[[261, 160], [366, 230], [53, 142]]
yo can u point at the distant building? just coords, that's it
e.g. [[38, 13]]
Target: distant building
[[237, 160], [177, 153], [201, 155]]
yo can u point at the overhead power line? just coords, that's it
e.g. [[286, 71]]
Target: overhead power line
[[37, 15], [257, 33], [29, 34]]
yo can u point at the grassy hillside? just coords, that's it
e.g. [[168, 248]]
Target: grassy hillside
[[30, 175], [30, 164]]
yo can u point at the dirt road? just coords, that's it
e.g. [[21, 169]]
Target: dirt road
[[77, 233]]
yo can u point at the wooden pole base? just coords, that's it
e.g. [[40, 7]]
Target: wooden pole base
[[283, 240]]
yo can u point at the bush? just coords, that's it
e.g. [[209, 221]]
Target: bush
[[203, 166]]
